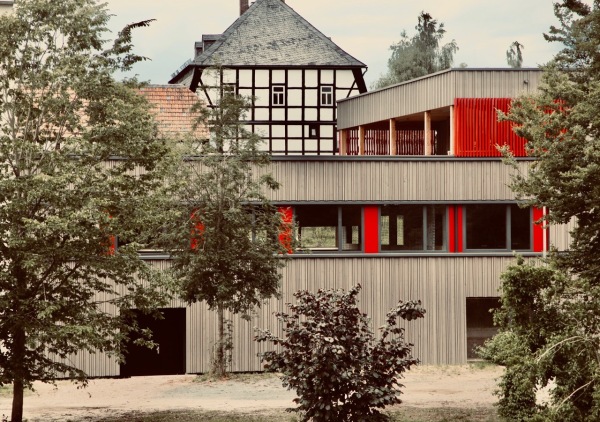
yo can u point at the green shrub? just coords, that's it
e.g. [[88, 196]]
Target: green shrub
[[331, 357]]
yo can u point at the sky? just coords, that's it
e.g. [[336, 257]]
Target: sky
[[483, 29]]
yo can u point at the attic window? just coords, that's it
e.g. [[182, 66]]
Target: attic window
[[278, 95]]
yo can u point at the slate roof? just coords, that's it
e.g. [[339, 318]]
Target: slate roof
[[271, 33], [171, 105]]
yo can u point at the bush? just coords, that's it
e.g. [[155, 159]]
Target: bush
[[331, 357]]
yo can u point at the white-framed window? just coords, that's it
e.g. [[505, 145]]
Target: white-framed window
[[278, 95], [326, 95]]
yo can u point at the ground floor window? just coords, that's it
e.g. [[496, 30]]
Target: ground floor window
[[480, 322]]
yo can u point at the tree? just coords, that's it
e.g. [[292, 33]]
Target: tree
[[331, 357], [552, 309], [62, 116], [514, 55], [419, 55], [233, 256]]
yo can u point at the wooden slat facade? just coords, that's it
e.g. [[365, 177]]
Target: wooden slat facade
[[435, 91], [441, 283]]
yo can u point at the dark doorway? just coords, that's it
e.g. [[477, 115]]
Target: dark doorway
[[166, 359], [480, 323]]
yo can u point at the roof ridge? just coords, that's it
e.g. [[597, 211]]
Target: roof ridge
[[336, 57]]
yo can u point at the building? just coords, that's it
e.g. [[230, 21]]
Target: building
[[294, 73], [401, 189]]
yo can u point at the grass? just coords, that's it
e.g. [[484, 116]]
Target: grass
[[406, 414]]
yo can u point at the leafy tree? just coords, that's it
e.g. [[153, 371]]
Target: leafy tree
[[331, 357], [553, 309], [514, 55], [233, 258], [62, 116], [419, 55]]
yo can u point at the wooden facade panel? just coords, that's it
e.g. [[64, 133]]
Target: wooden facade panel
[[426, 180], [441, 283], [435, 91]]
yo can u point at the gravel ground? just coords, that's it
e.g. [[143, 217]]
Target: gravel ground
[[469, 386]]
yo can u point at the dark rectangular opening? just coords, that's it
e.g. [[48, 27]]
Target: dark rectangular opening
[[169, 334], [480, 322]]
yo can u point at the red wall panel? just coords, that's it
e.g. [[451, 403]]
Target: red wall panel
[[371, 227], [477, 130], [451, 229], [285, 230], [538, 231], [459, 229]]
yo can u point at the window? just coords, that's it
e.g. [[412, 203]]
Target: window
[[278, 95], [413, 227], [326, 95], [498, 227], [480, 322], [329, 227]]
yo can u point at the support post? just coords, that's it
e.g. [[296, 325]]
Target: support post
[[343, 142], [393, 138], [428, 146], [361, 140]]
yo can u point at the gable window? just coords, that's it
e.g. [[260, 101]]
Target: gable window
[[278, 95], [326, 95], [498, 227]]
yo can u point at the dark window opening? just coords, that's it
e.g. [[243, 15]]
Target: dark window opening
[[329, 227], [498, 227], [326, 95], [278, 95], [413, 227], [520, 228], [480, 322]]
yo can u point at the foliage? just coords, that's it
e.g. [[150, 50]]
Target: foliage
[[332, 359], [62, 116], [224, 238], [553, 309], [419, 55], [514, 55]]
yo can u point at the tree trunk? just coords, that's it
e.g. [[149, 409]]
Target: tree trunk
[[18, 385], [218, 366]]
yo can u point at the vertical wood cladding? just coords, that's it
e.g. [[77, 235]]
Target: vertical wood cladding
[[393, 180], [441, 283], [478, 132], [435, 91]]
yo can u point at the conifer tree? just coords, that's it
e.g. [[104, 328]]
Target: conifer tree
[[420, 55], [550, 315]]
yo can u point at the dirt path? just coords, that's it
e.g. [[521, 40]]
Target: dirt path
[[428, 386]]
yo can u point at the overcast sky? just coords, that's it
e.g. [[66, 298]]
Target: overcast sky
[[365, 29]]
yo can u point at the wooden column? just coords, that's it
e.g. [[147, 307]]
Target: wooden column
[[427, 137], [361, 140], [393, 149], [452, 135], [343, 142]]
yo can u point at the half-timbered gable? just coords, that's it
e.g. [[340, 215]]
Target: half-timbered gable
[[294, 73]]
